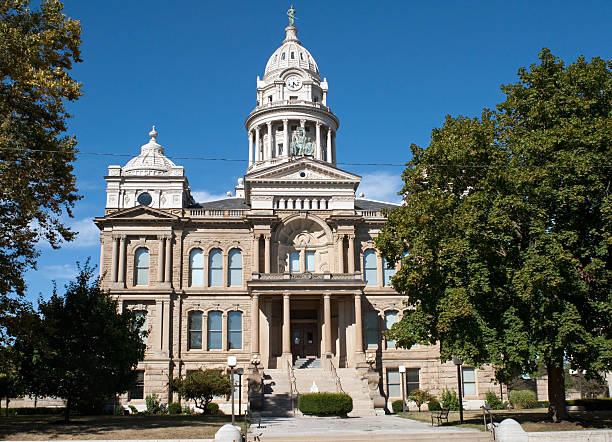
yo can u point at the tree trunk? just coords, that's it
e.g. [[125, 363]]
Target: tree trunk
[[67, 411], [556, 390]]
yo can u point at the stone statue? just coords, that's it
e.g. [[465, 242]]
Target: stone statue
[[301, 144], [291, 15]]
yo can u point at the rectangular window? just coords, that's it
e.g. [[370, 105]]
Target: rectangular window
[[195, 330], [390, 319], [234, 332], [394, 383], [137, 391], [214, 331], [280, 148], [469, 382], [412, 380], [294, 262], [372, 330], [310, 262]]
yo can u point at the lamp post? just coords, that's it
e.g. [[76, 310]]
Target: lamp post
[[458, 362], [239, 372], [231, 363], [402, 370]]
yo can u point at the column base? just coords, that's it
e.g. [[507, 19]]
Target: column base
[[284, 359]]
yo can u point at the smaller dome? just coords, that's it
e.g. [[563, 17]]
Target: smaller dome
[[291, 54], [151, 160]]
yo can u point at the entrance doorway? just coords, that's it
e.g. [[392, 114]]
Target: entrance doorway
[[304, 342]]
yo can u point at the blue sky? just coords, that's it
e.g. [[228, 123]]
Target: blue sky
[[395, 69]]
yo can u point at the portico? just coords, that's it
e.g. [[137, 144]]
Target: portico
[[308, 316]]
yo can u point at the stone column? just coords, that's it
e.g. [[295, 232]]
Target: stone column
[[159, 307], [255, 324], [257, 145], [250, 148], [379, 270], [225, 266], [166, 339], [270, 142], [340, 252], [160, 259], [115, 261], [351, 253], [327, 323], [122, 260], [302, 261], [286, 137], [318, 153], [267, 254], [358, 325], [329, 145], [333, 148], [168, 260], [286, 325], [256, 254], [224, 324]]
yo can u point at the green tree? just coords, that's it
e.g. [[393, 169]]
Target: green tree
[[201, 386], [10, 386], [505, 236], [79, 347], [419, 397], [37, 49]]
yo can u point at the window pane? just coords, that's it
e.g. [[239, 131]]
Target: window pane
[[369, 259], [197, 277], [214, 321], [137, 390], [142, 276], [235, 259], [469, 382], [214, 340], [234, 321], [370, 276], [394, 383], [142, 258], [294, 262], [468, 375], [195, 340], [196, 258], [216, 258], [195, 321], [412, 375], [387, 273], [372, 329], [215, 277], [235, 339], [310, 262], [390, 319], [235, 277]]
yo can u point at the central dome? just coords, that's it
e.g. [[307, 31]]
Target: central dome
[[291, 54]]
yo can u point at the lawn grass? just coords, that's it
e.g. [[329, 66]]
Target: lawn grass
[[531, 420], [113, 427]]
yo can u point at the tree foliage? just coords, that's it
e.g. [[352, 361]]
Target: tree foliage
[[37, 51], [201, 386], [507, 228], [78, 346]]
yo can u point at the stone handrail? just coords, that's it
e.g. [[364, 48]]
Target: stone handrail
[[291, 102], [306, 275], [292, 385], [370, 213], [214, 213]]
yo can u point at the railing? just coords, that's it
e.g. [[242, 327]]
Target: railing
[[292, 386], [306, 275], [336, 377], [215, 213], [486, 412], [370, 213], [291, 103]]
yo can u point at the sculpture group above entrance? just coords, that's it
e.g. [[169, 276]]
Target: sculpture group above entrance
[[301, 145]]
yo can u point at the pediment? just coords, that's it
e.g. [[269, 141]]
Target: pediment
[[142, 213], [303, 170]]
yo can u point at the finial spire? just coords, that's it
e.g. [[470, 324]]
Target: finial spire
[[291, 15], [153, 134]]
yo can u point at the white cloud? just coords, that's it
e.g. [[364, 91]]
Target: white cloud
[[65, 271], [202, 196], [88, 235], [381, 186]]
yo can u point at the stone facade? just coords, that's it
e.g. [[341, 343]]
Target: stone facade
[[285, 267]]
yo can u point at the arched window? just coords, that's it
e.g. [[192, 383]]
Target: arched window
[[214, 330], [196, 267], [283, 56], [390, 319], [369, 267], [215, 268], [294, 262], [372, 330], [194, 325], [310, 261], [235, 267], [387, 274], [141, 266], [234, 330], [293, 55]]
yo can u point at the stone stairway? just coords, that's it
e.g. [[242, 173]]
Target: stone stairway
[[305, 363], [277, 392]]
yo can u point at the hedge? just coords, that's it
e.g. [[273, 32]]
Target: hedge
[[599, 404], [397, 406], [325, 404], [174, 408], [523, 399], [23, 411]]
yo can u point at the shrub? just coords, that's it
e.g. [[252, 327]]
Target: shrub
[[153, 404], [419, 397], [325, 404], [450, 400], [186, 409], [174, 408], [494, 402], [396, 406], [434, 405], [599, 404], [212, 408], [200, 386], [133, 409], [544, 404], [523, 399]]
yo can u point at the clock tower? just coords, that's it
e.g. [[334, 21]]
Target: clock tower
[[291, 118]]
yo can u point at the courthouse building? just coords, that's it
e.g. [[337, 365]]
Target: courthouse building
[[283, 271]]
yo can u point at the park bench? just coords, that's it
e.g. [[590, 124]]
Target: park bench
[[439, 416]]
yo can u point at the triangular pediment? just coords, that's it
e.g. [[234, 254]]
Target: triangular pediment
[[301, 170], [141, 213]]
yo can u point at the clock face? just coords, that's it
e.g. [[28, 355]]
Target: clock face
[[293, 82]]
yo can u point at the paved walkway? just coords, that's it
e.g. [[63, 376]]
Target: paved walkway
[[353, 429]]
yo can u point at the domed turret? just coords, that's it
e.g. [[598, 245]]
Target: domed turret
[[151, 160], [291, 54]]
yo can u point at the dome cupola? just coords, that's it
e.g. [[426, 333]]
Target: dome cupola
[[291, 54], [151, 160]]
